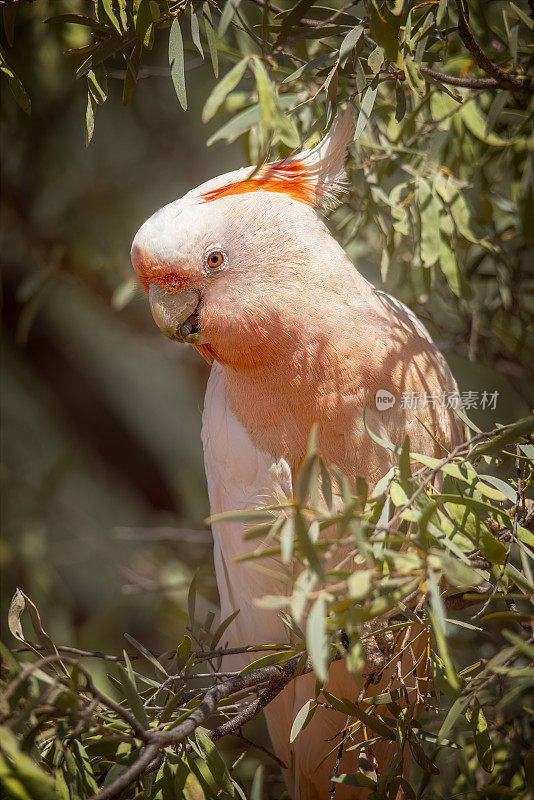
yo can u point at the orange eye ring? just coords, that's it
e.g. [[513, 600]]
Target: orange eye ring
[[215, 259]]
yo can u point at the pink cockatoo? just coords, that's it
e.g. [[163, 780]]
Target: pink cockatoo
[[244, 269]]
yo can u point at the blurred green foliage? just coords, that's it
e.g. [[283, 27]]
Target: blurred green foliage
[[104, 496], [423, 557]]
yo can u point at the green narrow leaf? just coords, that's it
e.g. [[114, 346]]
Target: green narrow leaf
[[132, 69], [227, 15], [192, 599], [307, 477], [457, 709], [360, 584], [349, 708], [123, 15], [302, 719], [144, 28], [316, 639], [366, 108], [211, 39], [479, 726], [86, 768], [27, 780], [450, 268], [307, 545], [109, 47], [132, 695], [354, 779], [110, 13], [195, 32], [405, 472], [222, 628], [400, 94], [490, 491], [147, 654], [385, 698], [256, 790], [15, 84], [97, 84], [503, 487], [78, 19], [419, 755], [525, 647], [313, 64], [223, 88], [473, 119], [287, 536], [183, 652], [501, 98], [89, 119], [413, 75], [266, 97], [361, 80], [398, 495], [439, 628], [513, 434], [294, 16], [265, 661], [442, 10], [461, 214], [237, 125], [176, 62], [429, 213], [326, 485], [375, 60], [215, 762], [517, 12], [349, 42]]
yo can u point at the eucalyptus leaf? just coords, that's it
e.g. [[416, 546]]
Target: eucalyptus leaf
[[316, 639], [366, 108], [226, 85], [176, 62]]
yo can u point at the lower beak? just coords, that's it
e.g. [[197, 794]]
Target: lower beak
[[175, 313]]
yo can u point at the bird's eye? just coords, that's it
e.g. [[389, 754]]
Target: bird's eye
[[215, 259]]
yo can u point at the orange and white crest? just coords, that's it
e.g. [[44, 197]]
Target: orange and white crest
[[315, 176]]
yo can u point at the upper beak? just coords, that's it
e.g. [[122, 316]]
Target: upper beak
[[174, 313]]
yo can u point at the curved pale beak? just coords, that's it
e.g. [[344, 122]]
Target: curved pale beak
[[174, 313]]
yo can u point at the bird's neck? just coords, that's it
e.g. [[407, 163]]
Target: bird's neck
[[297, 366], [280, 393]]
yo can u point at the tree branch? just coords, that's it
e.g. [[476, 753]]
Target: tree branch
[[277, 675], [502, 79], [201, 655], [466, 83], [251, 710]]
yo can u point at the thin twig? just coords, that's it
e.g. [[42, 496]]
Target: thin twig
[[201, 655], [251, 710], [454, 80], [503, 79], [279, 675], [257, 746]]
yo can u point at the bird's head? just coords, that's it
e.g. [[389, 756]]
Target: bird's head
[[225, 265]]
